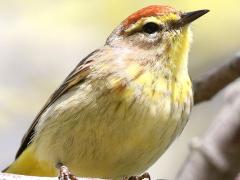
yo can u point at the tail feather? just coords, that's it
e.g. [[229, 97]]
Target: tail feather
[[5, 170], [28, 164]]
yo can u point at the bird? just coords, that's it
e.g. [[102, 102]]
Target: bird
[[121, 107]]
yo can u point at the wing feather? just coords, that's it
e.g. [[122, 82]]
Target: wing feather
[[78, 75]]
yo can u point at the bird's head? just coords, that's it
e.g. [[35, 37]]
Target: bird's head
[[155, 26], [158, 37]]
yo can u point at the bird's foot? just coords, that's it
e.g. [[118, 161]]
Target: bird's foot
[[65, 174], [143, 176]]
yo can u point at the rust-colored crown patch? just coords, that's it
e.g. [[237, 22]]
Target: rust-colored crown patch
[[146, 12]]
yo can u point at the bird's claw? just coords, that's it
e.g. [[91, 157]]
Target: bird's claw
[[141, 177], [65, 174]]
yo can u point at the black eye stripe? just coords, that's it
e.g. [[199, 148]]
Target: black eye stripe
[[151, 28]]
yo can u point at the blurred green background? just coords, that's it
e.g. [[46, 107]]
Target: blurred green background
[[42, 41]]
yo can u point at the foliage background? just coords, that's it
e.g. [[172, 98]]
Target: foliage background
[[42, 41]]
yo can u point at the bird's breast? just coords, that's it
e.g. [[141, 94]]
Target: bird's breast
[[119, 130]]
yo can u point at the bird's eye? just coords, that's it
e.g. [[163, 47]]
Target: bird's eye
[[151, 28]]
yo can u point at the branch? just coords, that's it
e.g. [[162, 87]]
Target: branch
[[216, 155], [8, 176], [205, 88], [210, 83]]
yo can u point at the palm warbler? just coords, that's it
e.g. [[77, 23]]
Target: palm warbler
[[121, 107]]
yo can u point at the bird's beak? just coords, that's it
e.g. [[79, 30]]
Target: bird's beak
[[187, 18]]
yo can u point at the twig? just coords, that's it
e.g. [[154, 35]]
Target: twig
[[216, 155], [8, 176], [210, 83]]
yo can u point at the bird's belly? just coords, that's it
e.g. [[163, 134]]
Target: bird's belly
[[109, 138]]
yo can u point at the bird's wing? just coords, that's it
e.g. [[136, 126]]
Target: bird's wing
[[78, 75]]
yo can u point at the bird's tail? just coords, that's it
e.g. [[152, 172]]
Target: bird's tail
[[28, 164]]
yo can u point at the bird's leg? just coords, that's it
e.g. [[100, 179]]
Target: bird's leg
[[64, 173], [143, 176]]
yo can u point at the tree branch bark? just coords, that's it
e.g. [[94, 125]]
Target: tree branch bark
[[8, 176], [210, 83], [217, 155]]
